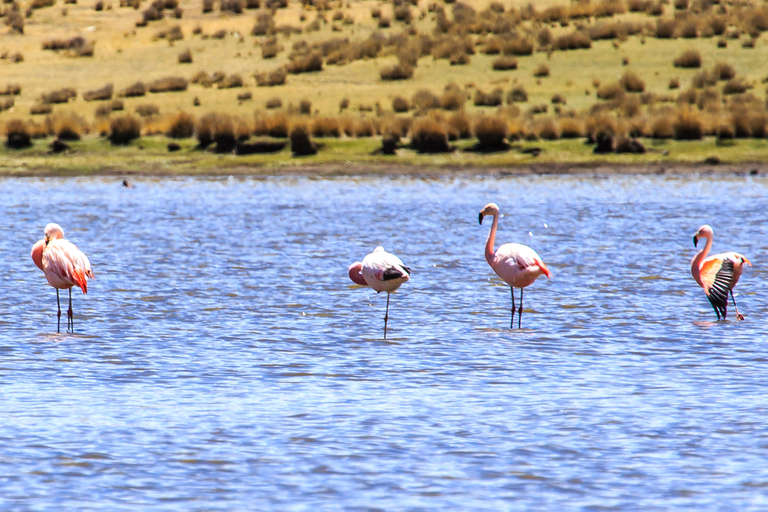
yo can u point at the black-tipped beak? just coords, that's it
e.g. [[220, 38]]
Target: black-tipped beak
[[695, 241], [480, 218]]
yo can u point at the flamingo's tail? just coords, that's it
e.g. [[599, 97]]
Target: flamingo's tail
[[544, 269], [79, 277]]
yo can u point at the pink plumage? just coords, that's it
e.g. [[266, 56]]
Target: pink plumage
[[717, 274], [382, 271], [63, 264], [516, 264]]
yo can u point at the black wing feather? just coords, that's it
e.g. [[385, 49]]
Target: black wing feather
[[394, 273], [718, 292]]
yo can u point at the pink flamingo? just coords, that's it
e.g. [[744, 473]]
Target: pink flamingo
[[517, 265], [382, 271], [64, 266], [717, 274]]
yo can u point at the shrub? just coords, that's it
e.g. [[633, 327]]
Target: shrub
[[326, 127], [59, 96], [396, 72], [274, 103], [704, 79], [305, 107], [611, 91], [181, 126], [170, 34], [492, 99], [665, 29], [301, 142], [459, 58], [517, 94], [724, 71], [400, 104], [571, 128], [271, 78], [688, 59], [134, 90], [735, 86], [547, 129], [11, 90], [491, 133], [245, 96], [231, 82], [504, 63], [343, 104], [424, 100], [40, 109], [305, 64], [518, 46], [632, 82], [273, 126], [541, 70], [185, 57], [124, 129], [429, 136], [688, 125], [573, 41], [453, 98], [260, 146], [168, 84], [15, 20], [265, 24], [67, 126], [661, 128], [233, 6], [749, 43], [270, 49], [690, 30], [460, 126], [147, 110], [103, 93], [116, 105], [558, 99], [674, 83], [17, 134]]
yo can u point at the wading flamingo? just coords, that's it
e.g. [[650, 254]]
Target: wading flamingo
[[382, 271], [517, 265], [717, 274], [64, 266]]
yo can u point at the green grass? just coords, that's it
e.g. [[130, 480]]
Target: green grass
[[149, 155]]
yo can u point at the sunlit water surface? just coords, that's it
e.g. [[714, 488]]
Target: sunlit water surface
[[222, 360]]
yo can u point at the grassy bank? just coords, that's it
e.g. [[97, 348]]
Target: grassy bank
[[150, 156]]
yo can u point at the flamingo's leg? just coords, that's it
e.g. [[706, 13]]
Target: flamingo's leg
[[58, 306], [70, 313], [512, 321], [739, 316], [520, 313], [386, 317]]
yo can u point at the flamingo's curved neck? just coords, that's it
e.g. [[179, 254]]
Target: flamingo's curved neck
[[703, 252], [489, 252]]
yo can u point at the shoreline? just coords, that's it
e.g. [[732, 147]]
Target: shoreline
[[363, 169]]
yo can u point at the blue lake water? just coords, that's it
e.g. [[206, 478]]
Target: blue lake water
[[223, 360]]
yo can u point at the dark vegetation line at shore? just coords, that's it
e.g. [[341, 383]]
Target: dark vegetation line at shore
[[717, 102]]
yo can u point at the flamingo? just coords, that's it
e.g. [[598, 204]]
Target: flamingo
[[516, 264], [717, 274], [64, 266], [382, 271]]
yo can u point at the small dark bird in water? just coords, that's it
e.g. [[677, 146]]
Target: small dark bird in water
[[127, 184]]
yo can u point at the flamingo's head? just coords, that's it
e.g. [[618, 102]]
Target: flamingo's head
[[53, 231], [355, 273], [704, 231], [37, 254], [490, 209]]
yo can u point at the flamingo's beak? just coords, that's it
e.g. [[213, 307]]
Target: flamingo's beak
[[695, 240], [481, 217]]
